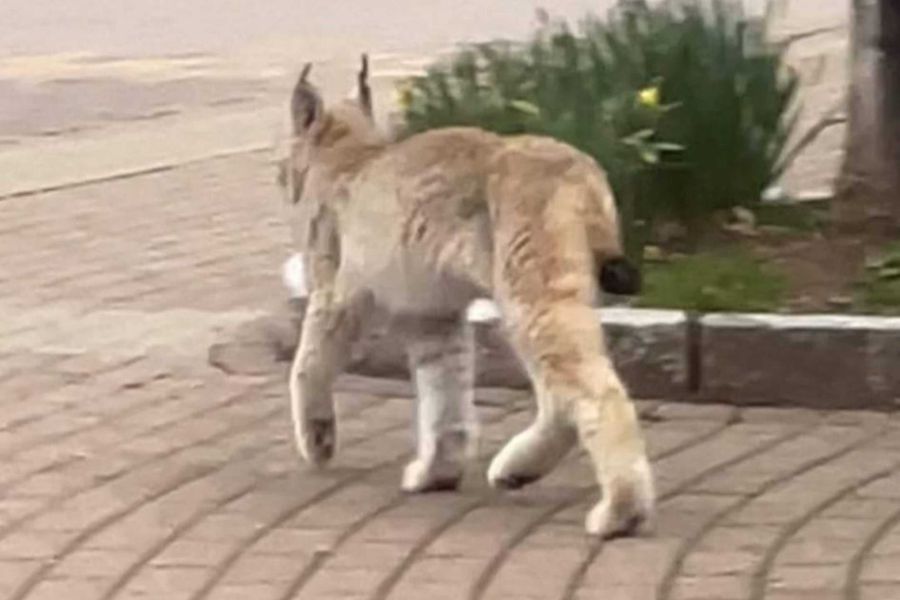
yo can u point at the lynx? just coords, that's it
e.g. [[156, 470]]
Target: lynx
[[422, 227]]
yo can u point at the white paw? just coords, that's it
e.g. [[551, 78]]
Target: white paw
[[483, 310], [626, 507], [419, 476], [517, 464], [529, 455], [317, 440], [293, 275]]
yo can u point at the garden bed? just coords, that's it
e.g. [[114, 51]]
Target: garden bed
[[691, 109]]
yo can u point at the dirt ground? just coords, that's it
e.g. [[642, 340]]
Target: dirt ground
[[821, 270]]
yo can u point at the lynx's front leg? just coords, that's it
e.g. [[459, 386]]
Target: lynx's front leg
[[441, 358], [329, 328]]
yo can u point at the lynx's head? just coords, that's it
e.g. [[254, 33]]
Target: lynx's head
[[334, 137]]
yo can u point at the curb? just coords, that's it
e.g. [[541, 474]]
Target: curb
[[818, 361], [813, 361]]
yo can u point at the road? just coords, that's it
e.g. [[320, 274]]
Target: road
[[149, 27], [75, 68], [69, 66]]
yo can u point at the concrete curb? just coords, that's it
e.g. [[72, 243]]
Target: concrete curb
[[819, 361], [816, 361]]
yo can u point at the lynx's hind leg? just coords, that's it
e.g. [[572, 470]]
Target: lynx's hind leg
[[441, 356], [579, 397], [533, 453], [609, 430]]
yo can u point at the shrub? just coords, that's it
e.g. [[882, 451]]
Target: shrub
[[682, 103]]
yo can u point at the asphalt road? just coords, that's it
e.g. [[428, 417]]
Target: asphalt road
[[153, 27], [66, 67]]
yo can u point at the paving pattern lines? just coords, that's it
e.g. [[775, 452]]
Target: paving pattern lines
[[138, 410], [448, 516], [727, 457], [853, 586], [530, 525], [221, 570], [100, 524], [882, 467], [384, 588], [760, 577], [574, 582], [54, 372], [393, 503], [80, 407], [311, 567], [667, 584], [109, 474], [195, 474], [62, 411]]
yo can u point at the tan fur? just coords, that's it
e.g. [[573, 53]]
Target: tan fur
[[422, 227]]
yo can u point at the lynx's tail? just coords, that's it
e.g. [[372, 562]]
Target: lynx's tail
[[560, 201]]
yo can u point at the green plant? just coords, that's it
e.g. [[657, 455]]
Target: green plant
[[682, 103], [724, 280], [880, 289]]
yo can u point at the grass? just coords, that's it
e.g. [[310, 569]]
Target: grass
[[713, 281]]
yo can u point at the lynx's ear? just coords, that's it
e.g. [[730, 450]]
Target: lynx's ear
[[306, 103], [364, 91]]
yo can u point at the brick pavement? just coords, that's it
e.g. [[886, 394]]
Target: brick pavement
[[130, 469]]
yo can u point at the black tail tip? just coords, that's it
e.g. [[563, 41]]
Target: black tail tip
[[619, 276]]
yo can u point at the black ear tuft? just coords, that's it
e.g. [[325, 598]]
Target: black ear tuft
[[362, 80], [619, 276], [306, 103]]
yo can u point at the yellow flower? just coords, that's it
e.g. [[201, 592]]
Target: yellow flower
[[649, 96], [403, 94]]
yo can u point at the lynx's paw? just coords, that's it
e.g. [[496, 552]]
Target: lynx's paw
[[421, 476], [483, 310], [317, 440], [627, 504], [529, 456]]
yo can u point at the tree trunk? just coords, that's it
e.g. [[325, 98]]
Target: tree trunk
[[890, 81], [869, 185]]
